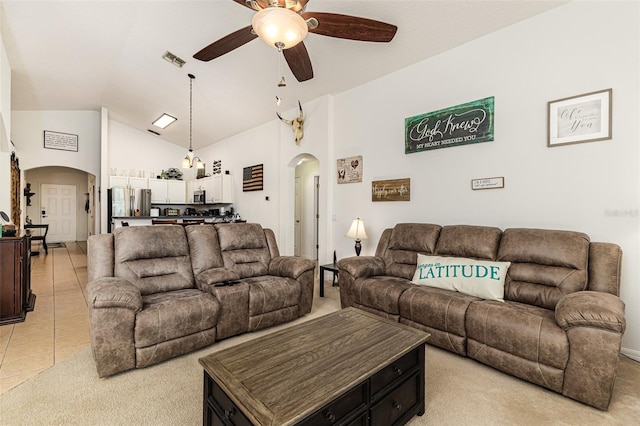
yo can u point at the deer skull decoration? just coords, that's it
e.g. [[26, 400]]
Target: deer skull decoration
[[296, 124]]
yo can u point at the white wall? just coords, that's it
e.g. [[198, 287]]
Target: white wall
[[27, 134], [5, 130], [130, 149], [574, 49]]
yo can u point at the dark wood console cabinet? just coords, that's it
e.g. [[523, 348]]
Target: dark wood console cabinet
[[16, 298]]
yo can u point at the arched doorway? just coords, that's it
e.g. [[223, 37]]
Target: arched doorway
[[63, 198]]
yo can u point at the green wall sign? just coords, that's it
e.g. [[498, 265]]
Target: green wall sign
[[459, 125]]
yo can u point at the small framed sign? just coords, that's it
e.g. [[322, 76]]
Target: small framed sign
[[62, 141], [487, 183], [582, 118], [350, 169], [391, 190]]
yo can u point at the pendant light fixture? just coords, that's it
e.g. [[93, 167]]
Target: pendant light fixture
[[188, 161]]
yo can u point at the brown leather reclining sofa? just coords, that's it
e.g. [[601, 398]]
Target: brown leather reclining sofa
[[155, 293], [560, 323]]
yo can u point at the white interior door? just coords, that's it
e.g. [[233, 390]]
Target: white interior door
[[297, 230], [58, 209]]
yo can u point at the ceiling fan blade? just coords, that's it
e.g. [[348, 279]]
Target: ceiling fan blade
[[298, 59], [351, 27], [226, 44]]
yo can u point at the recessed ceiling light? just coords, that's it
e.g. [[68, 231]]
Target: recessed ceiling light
[[164, 120]]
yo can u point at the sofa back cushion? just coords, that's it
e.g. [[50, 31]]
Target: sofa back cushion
[[204, 248], [154, 258], [404, 244], [475, 242], [244, 248], [545, 264]]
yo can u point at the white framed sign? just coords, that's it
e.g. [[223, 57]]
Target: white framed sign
[[582, 118], [61, 141], [487, 183]]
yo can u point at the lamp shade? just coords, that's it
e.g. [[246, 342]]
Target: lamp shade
[[357, 230], [275, 25]]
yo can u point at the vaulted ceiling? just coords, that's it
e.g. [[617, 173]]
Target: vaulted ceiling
[[84, 55]]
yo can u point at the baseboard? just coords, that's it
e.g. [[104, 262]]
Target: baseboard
[[634, 355]]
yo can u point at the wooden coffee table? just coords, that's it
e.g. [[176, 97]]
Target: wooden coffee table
[[349, 367]]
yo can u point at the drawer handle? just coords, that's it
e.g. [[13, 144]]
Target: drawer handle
[[229, 413], [397, 406], [398, 370], [330, 417]]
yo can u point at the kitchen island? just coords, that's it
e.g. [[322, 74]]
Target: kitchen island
[[117, 221]]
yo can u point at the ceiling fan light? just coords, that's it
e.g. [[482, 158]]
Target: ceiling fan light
[[279, 25]]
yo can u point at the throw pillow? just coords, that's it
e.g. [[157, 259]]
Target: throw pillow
[[480, 278]]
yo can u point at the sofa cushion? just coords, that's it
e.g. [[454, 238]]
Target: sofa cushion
[[174, 314], [477, 242], [204, 248], [269, 293], [439, 312], [480, 278], [545, 265], [520, 339], [380, 292], [244, 249], [406, 241], [153, 258]]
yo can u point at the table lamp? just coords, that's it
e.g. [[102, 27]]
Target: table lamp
[[357, 231]]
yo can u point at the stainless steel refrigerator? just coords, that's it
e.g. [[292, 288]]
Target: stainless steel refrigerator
[[126, 201]]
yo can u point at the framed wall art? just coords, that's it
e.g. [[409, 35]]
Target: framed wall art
[[350, 169], [62, 141], [463, 124], [252, 178], [391, 190], [577, 119]]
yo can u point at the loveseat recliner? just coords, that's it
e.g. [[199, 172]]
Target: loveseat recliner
[[156, 292], [559, 322]]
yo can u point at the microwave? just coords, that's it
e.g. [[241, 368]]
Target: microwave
[[199, 196]]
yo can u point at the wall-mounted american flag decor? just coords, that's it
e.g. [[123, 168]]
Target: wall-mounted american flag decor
[[252, 178]]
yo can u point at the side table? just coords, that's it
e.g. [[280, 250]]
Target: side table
[[331, 267]]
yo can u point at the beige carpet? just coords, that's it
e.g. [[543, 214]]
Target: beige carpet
[[459, 391]]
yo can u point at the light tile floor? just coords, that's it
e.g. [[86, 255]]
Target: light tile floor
[[58, 327]]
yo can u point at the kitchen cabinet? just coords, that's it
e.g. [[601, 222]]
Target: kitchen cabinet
[[124, 181], [221, 189], [167, 191], [218, 189]]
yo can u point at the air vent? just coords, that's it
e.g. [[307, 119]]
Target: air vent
[[153, 131], [170, 57]]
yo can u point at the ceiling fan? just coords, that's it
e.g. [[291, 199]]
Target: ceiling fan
[[275, 14]]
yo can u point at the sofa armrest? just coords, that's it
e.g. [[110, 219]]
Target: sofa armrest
[[114, 293], [215, 275], [113, 306], [362, 266], [591, 309], [290, 266]]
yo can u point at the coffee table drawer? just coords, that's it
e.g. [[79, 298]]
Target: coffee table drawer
[[394, 371], [223, 408], [398, 403], [344, 407]]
